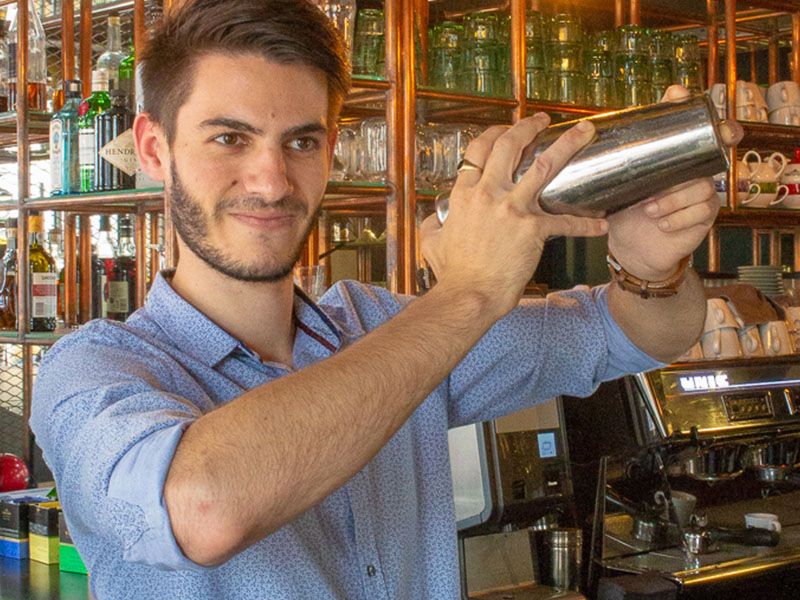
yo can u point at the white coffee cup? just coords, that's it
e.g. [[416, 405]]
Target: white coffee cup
[[682, 501], [719, 314], [785, 115], [719, 95], [750, 341], [775, 338], [762, 521], [722, 343], [783, 93], [693, 353]]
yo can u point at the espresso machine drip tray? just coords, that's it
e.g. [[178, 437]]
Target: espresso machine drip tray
[[728, 561]]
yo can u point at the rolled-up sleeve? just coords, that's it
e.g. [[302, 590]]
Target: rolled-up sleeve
[[108, 434], [566, 343]]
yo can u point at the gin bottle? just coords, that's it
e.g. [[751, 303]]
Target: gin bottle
[[64, 161], [110, 60], [95, 104]]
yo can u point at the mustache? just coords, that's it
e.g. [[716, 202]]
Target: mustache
[[288, 204]]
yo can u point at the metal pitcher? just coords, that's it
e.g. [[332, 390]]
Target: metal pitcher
[[635, 154]]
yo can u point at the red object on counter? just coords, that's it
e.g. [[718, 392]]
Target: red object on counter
[[14, 473]]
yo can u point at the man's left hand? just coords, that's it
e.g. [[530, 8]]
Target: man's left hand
[[649, 239]]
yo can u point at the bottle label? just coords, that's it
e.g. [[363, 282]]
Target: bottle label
[[86, 147], [45, 295], [56, 155], [118, 297], [121, 153]]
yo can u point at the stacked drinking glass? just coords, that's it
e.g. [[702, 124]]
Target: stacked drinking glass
[[632, 62], [564, 59]]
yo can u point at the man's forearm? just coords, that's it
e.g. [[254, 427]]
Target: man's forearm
[[662, 327], [250, 467]]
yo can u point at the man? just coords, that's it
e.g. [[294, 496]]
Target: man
[[235, 440]]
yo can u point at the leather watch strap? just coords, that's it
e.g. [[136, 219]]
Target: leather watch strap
[[648, 289]]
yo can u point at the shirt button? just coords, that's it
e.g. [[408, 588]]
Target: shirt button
[[371, 570]]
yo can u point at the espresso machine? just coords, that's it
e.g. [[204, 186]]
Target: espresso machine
[[509, 475], [714, 440]]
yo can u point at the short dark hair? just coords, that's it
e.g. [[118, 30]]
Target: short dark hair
[[283, 31]]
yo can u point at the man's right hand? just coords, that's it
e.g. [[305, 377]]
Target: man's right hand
[[495, 230]]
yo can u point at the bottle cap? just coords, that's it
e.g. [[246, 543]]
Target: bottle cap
[[99, 81], [113, 20], [73, 88], [105, 223], [118, 93], [11, 223], [125, 227]]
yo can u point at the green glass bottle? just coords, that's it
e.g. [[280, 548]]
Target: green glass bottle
[[95, 104], [43, 287], [127, 78]]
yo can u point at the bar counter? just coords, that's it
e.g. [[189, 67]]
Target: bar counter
[[31, 580]]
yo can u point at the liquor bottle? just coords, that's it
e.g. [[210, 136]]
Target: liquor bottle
[[102, 266], [110, 60], [115, 165], [43, 288], [3, 66], [127, 78], [88, 110], [122, 280], [37, 60], [65, 175], [8, 293]]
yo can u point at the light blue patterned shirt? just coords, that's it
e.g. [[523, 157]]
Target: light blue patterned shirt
[[112, 400]]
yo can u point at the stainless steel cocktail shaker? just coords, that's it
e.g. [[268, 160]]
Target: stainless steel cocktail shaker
[[636, 153]]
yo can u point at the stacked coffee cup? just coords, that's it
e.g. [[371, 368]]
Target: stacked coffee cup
[[783, 103]]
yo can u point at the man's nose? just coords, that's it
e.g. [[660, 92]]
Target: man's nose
[[268, 175]]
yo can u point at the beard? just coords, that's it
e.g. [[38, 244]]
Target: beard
[[192, 224]]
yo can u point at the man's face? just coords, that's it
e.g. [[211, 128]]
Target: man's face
[[249, 164]]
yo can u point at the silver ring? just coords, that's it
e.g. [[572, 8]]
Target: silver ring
[[467, 165]]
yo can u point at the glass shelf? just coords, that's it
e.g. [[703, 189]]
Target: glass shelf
[[33, 338]]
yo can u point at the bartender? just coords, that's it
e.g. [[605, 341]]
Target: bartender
[[234, 439]]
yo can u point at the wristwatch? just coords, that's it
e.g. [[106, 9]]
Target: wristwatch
[[648, 289]]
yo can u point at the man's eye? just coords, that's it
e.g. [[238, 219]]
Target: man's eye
[[304, 144], [229, 139]]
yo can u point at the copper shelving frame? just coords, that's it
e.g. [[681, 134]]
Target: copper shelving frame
[[396, 96]]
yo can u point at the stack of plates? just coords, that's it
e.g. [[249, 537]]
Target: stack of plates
[[767, 278]]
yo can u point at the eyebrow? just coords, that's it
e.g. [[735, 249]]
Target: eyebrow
[[237, 125]]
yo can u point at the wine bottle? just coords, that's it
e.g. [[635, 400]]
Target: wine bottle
[[122, 280], [43, 288], [102, 266], [8, 292]]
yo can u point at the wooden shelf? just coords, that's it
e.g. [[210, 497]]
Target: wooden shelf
[[766, 137], [38, 128], [758, 217]]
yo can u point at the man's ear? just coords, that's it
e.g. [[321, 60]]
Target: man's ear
[[151, 146]]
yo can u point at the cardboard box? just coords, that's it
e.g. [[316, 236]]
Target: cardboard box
[[68, 557], [14, 541], [43, 532]]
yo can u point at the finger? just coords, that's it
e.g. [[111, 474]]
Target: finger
[[675, 93], [477, 153], [507, 149], [550, 162], [571, 226], [703, 214], [679, 197]]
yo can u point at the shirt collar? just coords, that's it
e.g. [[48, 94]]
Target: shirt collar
[[190, 330], [199, 336]]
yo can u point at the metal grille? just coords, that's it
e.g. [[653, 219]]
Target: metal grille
[[13, 430]]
